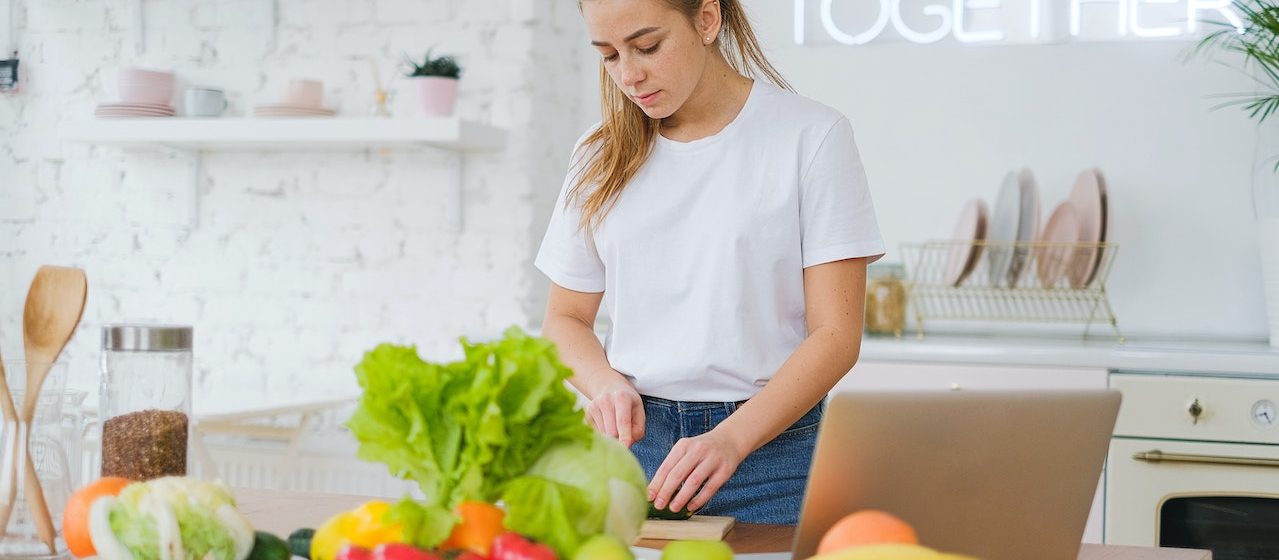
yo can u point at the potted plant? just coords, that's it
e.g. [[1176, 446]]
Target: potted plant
[[1256, 40], [437, 79]]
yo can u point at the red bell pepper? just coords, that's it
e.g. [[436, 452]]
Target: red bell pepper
[[401, 552], [513, 546], [352, 552]]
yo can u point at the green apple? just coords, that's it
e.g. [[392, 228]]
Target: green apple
[[697, 550], [603, 547]]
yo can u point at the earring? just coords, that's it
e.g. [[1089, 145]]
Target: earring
[[708, 40]]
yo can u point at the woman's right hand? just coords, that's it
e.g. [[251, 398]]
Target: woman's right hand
[[618, 412]]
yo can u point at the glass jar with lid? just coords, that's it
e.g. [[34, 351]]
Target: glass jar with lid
[[886, 299], [145, 401]]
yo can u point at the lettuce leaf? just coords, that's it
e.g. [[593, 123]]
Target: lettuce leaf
[[424, 526], [136, 531], [577, 490], [172, 514], [463, 430], [553, 512]]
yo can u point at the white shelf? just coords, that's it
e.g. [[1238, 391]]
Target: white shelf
[[285, 134]]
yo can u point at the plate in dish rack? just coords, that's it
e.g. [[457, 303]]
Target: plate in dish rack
[[1004, 223], [966, 252], [1089, 198], [1027, 226]]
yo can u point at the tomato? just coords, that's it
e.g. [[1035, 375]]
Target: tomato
[[75, 517], [481, 523]]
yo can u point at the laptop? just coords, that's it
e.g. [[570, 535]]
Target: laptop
[[998, 475]]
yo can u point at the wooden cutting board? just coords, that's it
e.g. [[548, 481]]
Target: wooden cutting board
[[697, 527]]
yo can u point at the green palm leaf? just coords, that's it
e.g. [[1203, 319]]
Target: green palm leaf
[[1258, 44]]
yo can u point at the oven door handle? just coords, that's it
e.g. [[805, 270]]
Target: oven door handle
[[1157, 456]]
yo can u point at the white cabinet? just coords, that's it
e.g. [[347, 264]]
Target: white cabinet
[[871, 376]]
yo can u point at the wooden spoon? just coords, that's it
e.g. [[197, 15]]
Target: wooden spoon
[[55, 304]]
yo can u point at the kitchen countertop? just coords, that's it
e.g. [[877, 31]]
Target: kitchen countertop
[[1244, 358], [1241, 358], [281, 512]]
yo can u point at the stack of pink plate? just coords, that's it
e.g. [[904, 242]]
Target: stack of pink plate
[[133, 110], [143, 93], [302, 98], [291, 110]]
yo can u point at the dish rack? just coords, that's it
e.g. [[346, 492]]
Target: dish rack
[[1013, 281]]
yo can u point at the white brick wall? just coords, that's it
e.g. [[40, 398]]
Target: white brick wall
[[299, 262]]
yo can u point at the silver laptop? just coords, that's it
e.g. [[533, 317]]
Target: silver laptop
[[999, 475]]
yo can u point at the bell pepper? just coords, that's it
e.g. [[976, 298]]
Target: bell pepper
[[481, 522], [349, 552], [513, 546], [362, 527], [400, 551]]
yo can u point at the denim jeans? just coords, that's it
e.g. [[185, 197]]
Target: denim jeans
[[768, 486]]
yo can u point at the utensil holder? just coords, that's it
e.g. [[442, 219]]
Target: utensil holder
[[34, 448]]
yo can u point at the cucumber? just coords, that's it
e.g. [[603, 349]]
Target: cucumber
[[269, 547], [654, 513], [300, 542]]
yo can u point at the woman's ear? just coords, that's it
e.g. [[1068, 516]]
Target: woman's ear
[[709, 21]]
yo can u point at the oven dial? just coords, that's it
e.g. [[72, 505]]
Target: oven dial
[[1264, 413]]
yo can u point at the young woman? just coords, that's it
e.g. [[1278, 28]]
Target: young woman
[[726, 224]]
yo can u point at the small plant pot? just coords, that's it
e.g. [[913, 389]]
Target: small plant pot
[[437, 95]]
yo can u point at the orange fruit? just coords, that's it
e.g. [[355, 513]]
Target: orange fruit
[[867, 527], [75, 517], [481, 523]]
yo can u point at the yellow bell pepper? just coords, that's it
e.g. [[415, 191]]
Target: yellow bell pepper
[[363, 527]]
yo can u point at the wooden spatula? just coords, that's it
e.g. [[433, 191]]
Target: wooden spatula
[[54, 306]]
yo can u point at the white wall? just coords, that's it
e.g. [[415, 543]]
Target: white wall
[[938, 124], [300, 261]]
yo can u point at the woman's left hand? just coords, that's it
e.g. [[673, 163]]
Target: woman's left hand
[[696, 467]]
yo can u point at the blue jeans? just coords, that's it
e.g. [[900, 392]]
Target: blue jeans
[[768, 486]]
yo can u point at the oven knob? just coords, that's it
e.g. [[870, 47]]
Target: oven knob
[[1264, 413], [1195, 411]]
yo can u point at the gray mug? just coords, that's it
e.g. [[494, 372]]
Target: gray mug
[[205, 102]]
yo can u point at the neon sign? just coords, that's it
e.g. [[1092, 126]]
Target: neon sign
[[858, 22]]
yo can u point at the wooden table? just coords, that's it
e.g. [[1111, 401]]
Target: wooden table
[[281, 512]]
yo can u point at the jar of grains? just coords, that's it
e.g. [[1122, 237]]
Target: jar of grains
[[145, 402], [886, 299]]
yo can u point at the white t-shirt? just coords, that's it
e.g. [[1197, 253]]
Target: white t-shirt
[[701, 261]]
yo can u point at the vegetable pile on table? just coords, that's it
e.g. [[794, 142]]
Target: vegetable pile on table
[[171, 518], [508, 467]]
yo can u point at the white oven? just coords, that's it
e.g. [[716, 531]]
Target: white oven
[[1194, 463]]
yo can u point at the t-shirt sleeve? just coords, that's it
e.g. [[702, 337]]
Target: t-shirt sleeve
[[567, 255], [837, 217]]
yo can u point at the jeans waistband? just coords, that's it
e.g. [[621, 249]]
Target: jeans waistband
[[691, 406]]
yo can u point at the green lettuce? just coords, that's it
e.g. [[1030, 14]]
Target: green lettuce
[[577, 490], [187, 518], [135, 530], [462, 430]]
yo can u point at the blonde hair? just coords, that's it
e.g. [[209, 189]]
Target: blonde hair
[[624, 140]]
